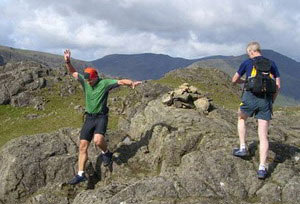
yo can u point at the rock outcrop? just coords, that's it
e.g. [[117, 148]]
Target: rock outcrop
[[29, 163], [163, 154], [19, 83]]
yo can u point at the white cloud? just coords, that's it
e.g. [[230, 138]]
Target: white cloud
[[182, 28]]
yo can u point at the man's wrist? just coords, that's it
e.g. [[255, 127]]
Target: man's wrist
[[67, 61]]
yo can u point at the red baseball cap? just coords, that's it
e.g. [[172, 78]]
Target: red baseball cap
[[90, 73]]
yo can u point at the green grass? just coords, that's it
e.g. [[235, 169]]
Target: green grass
[[59, 112], [289, 110]]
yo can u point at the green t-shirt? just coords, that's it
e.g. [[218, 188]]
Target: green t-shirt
[[96, 96]]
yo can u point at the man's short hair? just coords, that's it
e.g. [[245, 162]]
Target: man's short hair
[[253, 46]]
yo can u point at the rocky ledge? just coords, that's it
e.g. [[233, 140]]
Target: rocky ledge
[[164, 154]]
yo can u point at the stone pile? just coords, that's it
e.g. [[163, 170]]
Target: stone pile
[[187, 97]]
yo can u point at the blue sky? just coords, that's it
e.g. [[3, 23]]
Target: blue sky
[[179, 28]]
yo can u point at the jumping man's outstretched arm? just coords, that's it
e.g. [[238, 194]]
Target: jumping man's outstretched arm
[[128, 82], [71, 69]]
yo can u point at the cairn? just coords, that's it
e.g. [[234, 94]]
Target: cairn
[[187, 97]]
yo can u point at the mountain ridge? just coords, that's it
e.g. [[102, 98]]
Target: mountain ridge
[[10, 54], [147, 66], [153, 66]]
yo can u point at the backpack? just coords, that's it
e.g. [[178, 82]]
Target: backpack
[[262, 82]]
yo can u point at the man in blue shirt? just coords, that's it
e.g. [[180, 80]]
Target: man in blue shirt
[[254, 105]]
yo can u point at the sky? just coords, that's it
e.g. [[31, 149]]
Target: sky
[[180, 28]]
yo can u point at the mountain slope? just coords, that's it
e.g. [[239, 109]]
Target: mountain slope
[[9, 54], [140, 66]]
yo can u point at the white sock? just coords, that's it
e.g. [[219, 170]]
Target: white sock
[[242, 146], [261, 167], [80, 173]]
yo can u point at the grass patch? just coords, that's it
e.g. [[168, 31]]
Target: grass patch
[[59, 112], [289, 110]]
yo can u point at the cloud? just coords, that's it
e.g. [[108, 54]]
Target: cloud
[[181, 28]]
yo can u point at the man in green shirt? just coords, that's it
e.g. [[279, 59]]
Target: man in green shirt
[[96, 93]]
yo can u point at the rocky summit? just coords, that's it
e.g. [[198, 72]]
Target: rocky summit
[[173, 145], [20, 81]]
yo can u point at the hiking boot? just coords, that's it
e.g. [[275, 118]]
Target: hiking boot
[[240, 152], [262, 174], [107, 158], [77, 179]]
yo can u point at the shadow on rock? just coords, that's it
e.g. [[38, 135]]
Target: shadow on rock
[[282, 152], [129, 151], [95, 173], [1, 61]]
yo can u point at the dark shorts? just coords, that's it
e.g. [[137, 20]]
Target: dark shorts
[[258, 106], [93, 124]]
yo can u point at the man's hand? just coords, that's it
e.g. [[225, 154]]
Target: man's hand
[[236, 79], [71, 69], [67, 55], [135, 83]]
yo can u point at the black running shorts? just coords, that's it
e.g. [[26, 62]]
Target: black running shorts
[[94, 124]]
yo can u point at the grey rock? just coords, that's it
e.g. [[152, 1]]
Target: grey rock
[[270, 193], [4, 96], [15, 88], [32, 116], [38, 103], [16, 78], [193, 90], [21, 100], [291, 190], [41, 83], [27, 78], [185, 97], [33, 162], [202, 104], [180, 91], [167, 99]]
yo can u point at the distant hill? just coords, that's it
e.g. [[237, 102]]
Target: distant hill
[[140, 66], [154, 66], [9, 54]]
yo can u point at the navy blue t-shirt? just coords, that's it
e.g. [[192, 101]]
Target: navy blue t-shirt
[[247, 65]]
